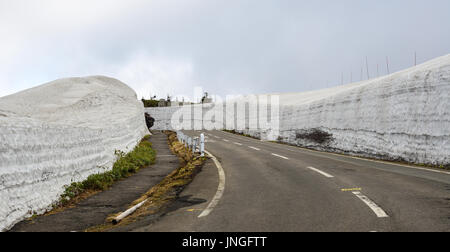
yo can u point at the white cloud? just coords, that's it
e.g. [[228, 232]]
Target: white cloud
[[156, 75], [255, 46]]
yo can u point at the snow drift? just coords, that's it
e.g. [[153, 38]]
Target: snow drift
[[402, 116], [58, 133]]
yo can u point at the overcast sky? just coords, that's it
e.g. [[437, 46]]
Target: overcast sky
[[226, 47]]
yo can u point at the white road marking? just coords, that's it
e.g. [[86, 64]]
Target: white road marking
[[226, 140], [298, 148], [321, 172], [216, 137], [406, 166], [375, 208], [251, 147], [220, 189], [276, 155], [365, 159], [128, 212], [237, 143]]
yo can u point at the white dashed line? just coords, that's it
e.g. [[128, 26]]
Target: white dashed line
[[276, 155], [251, 147], [324, 154], [237, 143], [321, 172], [375, 208], [226, 140]]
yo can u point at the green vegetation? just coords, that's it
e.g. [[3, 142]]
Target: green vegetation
[[126, 164], [445, 167], [162, 195], [150, 103]]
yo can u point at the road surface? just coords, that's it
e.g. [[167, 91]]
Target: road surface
[[274, 187]]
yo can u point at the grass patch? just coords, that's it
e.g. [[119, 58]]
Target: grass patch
[[125, 165], [166, 191]]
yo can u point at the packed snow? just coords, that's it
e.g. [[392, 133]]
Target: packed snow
[[58, 133], [403, 116]]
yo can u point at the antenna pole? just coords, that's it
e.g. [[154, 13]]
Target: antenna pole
[[367, 66], [387, 65], [415, 58]]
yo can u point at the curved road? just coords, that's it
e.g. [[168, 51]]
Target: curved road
[[273, 187]]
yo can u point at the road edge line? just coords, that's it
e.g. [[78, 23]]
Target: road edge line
[[380, 213], [220, 189], [387, 162]]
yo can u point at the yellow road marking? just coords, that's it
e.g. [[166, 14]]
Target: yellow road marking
[[193, 210], [351, 189]]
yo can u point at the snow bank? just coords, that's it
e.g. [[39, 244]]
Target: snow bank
[[402, 116], [58, 133]]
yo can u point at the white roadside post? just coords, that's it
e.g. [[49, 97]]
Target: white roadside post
[[193, 143], [194, 146], [202, 145], [197, 143]]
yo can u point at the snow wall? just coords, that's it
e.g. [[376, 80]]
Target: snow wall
[[58, 133], [403, 116]]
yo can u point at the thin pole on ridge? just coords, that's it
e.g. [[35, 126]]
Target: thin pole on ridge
[[387, 65], [367, 66]]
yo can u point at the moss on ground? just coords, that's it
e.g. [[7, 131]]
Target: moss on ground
[[126, 164]]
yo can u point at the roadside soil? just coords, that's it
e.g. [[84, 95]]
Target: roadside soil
[[164, 197]]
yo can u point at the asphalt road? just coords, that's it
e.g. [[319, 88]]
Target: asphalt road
[[273, 187]]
